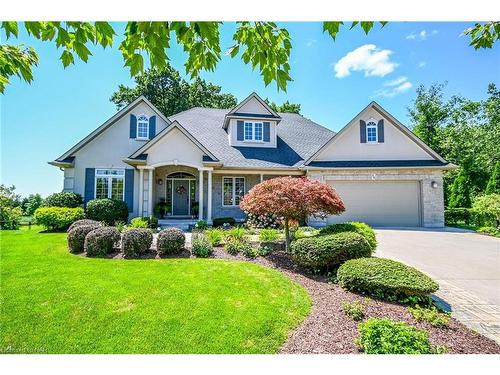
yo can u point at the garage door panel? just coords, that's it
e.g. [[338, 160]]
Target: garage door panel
[[379, 203]]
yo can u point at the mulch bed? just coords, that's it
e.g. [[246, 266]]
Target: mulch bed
[[327, 330]]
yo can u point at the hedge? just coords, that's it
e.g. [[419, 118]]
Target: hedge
[[136, 242], [76, 237], [220, 221], [64, 199], [361, 228], [467, 216], [170, 241], [327, 251], [101, 241], [108, 211], [84, 222], [58, 218], [384, 278]]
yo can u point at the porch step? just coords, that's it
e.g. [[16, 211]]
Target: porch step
[[184, 224]]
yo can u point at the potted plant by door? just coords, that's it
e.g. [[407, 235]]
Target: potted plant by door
[[195, 207], [161, 209]]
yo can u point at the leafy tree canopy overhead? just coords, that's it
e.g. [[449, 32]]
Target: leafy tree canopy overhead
[[262, 45], [171, 94], [285, 107]]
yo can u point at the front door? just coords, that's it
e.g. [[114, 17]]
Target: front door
[[180, 198]]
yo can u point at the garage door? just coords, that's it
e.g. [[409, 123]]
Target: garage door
[[379, 203]]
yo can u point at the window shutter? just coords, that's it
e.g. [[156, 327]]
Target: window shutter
[[129, 189], [133, 126], [239, 131], [89, 184], [152, 127], [380, 131], [362, 131], [267, 132]]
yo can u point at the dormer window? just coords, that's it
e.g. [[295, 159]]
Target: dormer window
[[253, 131], [142, 127], [371, 132]]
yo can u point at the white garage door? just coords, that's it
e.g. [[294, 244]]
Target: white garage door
[[379, 203]]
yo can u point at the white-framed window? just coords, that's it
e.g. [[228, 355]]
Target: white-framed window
[[110, 183], [253, 131], [233, 190], [371, 132], [142, 127]]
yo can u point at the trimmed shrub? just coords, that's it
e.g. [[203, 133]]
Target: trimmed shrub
[[328, 251], [361, 228], [136, 242], [10, 217], [76, 237], [170, 241], [201, 225], [201, 246], [101, 241], [84, 222], [488, 207], [214, 236], [58, 218], [384, 336], [267, 235], [384, 278], [234, 247], [431, 316], [264, 221], [108, 211], [248, 250], [305, 232], [64, 199], [139, 222], [457, 216], [220, 221]]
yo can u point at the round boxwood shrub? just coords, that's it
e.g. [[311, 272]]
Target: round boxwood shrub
[[361, 228], [136, 242], [76, 237], [108, 211], [384, 336], [58, 218], [101, 241], [325, 252], [384, 278], [64, 199], [83, 222], [170, 241]]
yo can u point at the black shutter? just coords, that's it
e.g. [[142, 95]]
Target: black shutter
[[362, 131], [239, 131], [152, 127], [129, 189], [133, 126], [380, 131], [89, 184], [267, 132]]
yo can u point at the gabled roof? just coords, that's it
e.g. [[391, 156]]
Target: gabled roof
[[236, 113], [377, 107], [105, 126], [139, 154]]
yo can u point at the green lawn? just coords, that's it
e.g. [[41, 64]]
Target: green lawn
[[55, 302]]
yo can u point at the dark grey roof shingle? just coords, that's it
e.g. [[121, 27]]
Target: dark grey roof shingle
[[298, 139], [377, 163]]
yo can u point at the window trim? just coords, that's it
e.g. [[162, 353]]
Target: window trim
[[110, 181], [233, 190], [374, 126], [147, 127], [253, 139]]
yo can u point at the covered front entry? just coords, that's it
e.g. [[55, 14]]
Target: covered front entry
[[180, 193], [379, 203]]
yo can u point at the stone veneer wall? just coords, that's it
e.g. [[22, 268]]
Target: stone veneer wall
[[432, 199]]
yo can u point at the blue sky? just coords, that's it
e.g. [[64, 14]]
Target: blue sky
[[333, 81]]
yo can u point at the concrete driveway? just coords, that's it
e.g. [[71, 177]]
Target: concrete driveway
[[465, 264]]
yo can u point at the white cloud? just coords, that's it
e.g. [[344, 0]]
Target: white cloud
[[421, 64], [311, 42], [422, 35], [367, 58], [394, 87]]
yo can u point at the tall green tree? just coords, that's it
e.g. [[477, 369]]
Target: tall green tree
[[284, 107], [493, 186], [171, 94], [460, 192], [262, 45]]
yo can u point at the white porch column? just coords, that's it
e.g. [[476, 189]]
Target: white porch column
[[200, 196], [261, 177], [150, 192], [209, 197], [141, 192]]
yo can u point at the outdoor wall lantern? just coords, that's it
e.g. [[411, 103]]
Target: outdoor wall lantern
[[159, 181], [434, 184]]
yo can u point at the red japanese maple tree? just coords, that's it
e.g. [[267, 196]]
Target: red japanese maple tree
[[293, 199]]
